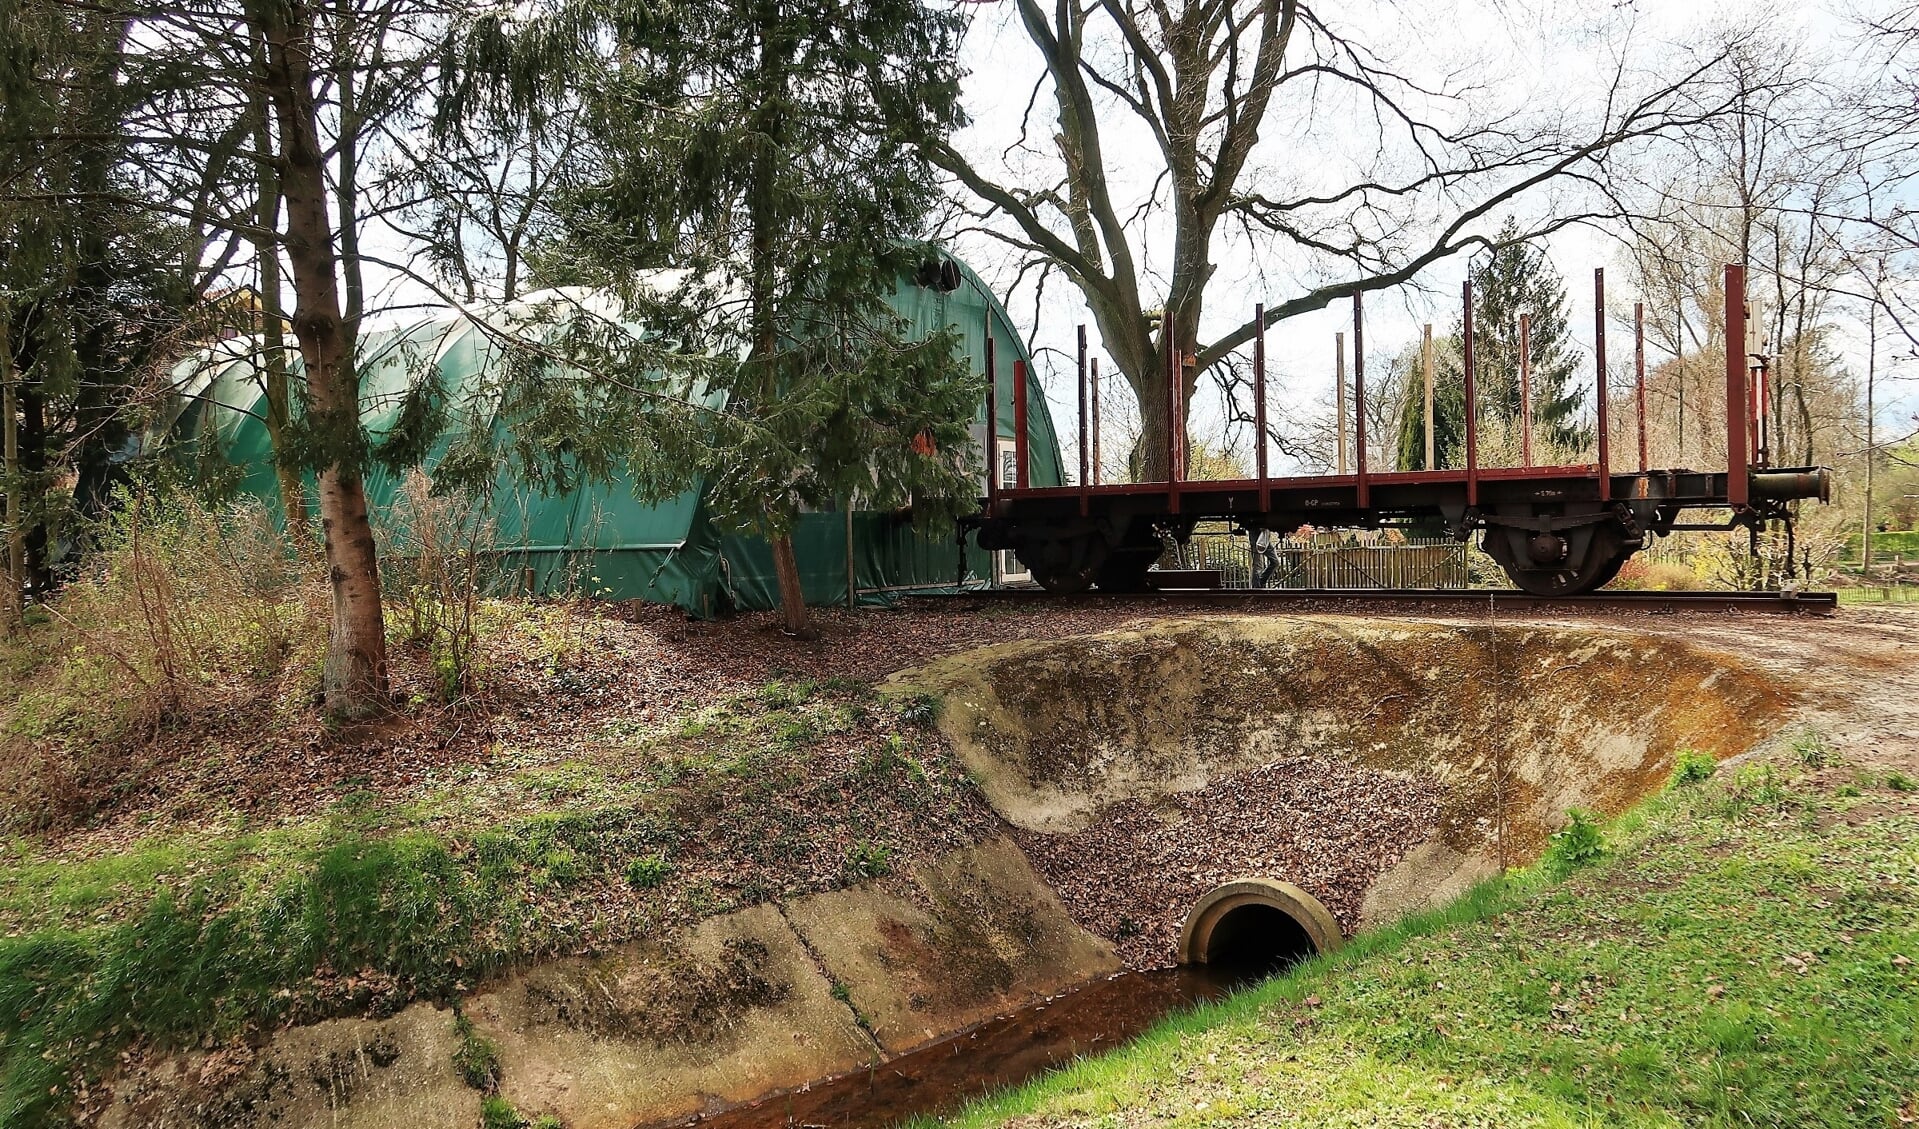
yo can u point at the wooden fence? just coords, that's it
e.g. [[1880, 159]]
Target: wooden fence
[[1332, 561]]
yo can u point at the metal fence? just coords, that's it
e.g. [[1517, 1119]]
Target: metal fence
[[1332, 561]]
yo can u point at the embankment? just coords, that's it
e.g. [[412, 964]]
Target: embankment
[[1379, 768]]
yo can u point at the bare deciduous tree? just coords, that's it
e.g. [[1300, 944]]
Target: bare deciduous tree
[[1202, 80]]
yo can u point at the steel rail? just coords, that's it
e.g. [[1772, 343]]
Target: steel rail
[[1802, 603]]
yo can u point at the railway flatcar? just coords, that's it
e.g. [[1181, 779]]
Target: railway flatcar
[[1554, 530]]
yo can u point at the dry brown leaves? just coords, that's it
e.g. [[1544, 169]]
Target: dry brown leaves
[[1327, 826]]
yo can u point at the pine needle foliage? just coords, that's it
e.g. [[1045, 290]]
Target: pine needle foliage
[[1513, 279], [755, 188]]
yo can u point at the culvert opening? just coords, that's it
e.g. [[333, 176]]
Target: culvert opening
[[1251, 928], [1255, 940]]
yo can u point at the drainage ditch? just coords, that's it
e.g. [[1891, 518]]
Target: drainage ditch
[[1236, 936]]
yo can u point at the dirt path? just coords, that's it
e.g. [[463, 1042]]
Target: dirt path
[[1855, 674]]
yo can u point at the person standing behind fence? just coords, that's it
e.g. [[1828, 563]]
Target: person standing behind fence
[[1265, 546]]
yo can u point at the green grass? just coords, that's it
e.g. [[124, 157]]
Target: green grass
[[1727, 963], [1903, 542], [189, 938]]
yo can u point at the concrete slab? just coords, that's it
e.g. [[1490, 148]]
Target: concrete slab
[[730, 1009], [344, 1073], [972, 935]]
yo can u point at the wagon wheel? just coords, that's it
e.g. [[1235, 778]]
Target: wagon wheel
[[1604, 557], [1065, 565], [1125, 569], [1127, 564]]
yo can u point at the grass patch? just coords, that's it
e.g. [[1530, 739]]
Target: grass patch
[[1880, 594], [1690, 766], [202, 937], [1727, 963], [476, 1058]]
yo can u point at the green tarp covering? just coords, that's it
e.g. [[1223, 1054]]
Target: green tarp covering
[[599, 538]]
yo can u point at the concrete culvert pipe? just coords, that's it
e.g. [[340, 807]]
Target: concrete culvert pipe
[[1258, 926]]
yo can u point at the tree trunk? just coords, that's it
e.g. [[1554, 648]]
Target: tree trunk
[[762, 215], [13, 595], [1150, 380], [354, 677], [786, 567], [276, 381]]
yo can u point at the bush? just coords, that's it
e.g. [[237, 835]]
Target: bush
[[1580, 843], [435, 562], [1655, 576], [648, 871], [1812, 749], [1690, 766], [183, 606]]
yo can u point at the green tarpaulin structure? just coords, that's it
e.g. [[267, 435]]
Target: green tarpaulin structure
[[599, 538]]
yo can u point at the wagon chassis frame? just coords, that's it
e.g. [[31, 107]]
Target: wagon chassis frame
[[1555, 530]]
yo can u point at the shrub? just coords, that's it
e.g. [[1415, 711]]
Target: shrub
[[1812, 749], [1690, 766], [183, 606], [1654, 575], [1580, 843], [869, 860], [648, 871], [434, 561]]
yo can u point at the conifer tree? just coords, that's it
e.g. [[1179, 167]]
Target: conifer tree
[[772, 152], [1515, 278]]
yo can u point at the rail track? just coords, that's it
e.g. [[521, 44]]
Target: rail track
[[1656, 603]]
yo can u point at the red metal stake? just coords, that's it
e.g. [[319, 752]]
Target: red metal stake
[[1736, 452], [1167, 358], [1526, 389], [1084, 501], [1639, 374], [1096, 459], [1359, 401], [1599, 358], [992, 423], [1179, 412], [1019, 425], [1472, 394], [1259, 405]]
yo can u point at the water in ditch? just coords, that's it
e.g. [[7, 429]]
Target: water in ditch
[[998, 1053]]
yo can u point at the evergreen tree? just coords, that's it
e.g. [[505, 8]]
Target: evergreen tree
[[1515, 278], [772, 151]]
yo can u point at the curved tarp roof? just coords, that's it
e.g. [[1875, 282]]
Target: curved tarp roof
[[599, 537]]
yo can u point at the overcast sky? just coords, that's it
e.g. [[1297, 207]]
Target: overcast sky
[[1530, 57]]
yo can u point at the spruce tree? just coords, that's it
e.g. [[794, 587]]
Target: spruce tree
[[772, 152], [1515, 278]]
